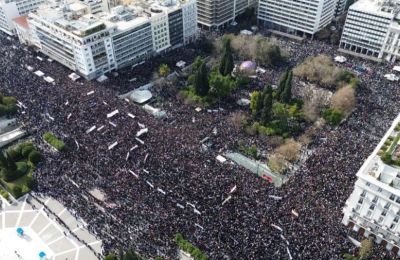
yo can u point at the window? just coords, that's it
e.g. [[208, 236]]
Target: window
[[392, 197], [358, 207], [375, 200], [372, 207], [392, 226], [369, 213], [396, 219], [380, 219], [368, 184], [360, 201], [380, 190], [363, 193], [387, 205], [384, 213]]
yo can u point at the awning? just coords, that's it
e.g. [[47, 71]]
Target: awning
[[102, 78], [140, 96], [396, 68], [74, 77], [39, 73], [49, 79]]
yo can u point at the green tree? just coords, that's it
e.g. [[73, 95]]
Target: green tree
[[280, 113], [163, 70], [286, 95], [266, 114], [226, 66], [282, 84], [366, 248], [197, 63], [255, 104], [111, 257], [17, 191], [221, 86], [201, 85], [332, 116]]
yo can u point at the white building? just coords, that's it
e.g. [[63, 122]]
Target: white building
[[296, 16], [93, 44], [340, 7], [216, 13], [372, 30], [374, 205], [10, 9]]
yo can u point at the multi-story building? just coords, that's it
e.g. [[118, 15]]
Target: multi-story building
[[93, 44], [372, 30], [216, 13], [10, 9], [299, 17], [340, 7], [374, 205]]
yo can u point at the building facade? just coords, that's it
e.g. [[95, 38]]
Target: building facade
[[10, 9], [340, 7], [93, 44], [374, 205], [299, 17], [372, 30], [216, 13]]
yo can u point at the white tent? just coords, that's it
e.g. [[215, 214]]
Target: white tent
[[39, 73], [102, 78], [396, 68], [49, 79], [391, 77], [30, 68], [73, 76], [246, 32], [221, 159], [181, 64], [140, 96], [340, 59]]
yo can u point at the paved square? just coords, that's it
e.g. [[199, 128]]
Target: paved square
[[42, 232]]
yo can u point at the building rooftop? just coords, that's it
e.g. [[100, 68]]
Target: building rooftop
[[383, 165], [384, 8], [76, 17]]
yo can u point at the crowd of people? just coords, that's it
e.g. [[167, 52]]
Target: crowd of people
[[162, 183]]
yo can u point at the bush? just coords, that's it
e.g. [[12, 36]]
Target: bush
[[332, 116], [35, 157], [53, 141], [8, 101]]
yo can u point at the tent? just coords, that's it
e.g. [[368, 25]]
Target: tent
[[181, 64], [49, 79], [340, 59], [73, 76], [42, 255], [140, 96], [391, 77], [102, 78], [39, 73], [246, 32], [396, 68]]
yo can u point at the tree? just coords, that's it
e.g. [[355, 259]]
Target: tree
[[255, 104], [290, 150], [111, 257], [163, 70], [332, 116], [282, 84], [344, 99], [17, 191], [366, 248], [286, 95], [221, 85], [201, 85], [197, 63], [226, 66], [267, 106]]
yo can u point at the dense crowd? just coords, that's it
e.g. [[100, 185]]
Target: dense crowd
[[162, 183]]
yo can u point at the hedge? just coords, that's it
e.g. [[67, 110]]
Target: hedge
[[34, 157], [54, 141], [186, 246]]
